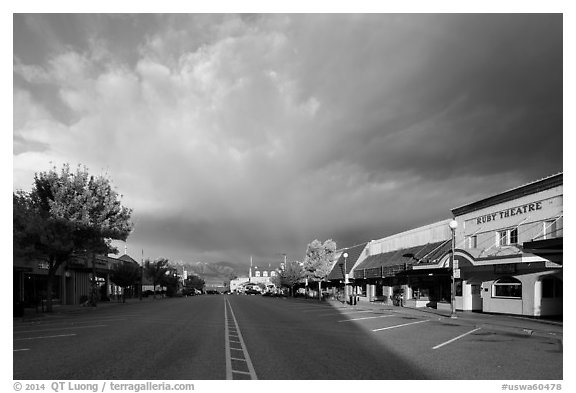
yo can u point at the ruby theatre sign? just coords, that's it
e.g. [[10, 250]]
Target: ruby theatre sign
[[515, 211]]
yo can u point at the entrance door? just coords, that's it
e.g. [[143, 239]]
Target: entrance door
[[476, 289]]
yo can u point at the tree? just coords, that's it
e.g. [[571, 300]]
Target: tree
[[156, 271], [194, 282], [171, 281], [68, 214], [291, 275], [125, 274], [318, 261]]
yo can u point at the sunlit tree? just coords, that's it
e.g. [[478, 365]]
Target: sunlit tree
[[68, 214], [318, 261]]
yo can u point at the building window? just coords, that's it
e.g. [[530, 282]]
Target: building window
[[257, 273], [264, 273], [473, 241], [513, 236], [551, 287], [507, 287], [507, 237], [272, 273], [550, 229]]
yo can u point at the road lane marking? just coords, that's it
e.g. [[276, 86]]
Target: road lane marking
[[42, 324], [62, 328], [229, 370], [343, 313], [37, 338], [23, 349], [360, 319], [455, 338], [397, 326]]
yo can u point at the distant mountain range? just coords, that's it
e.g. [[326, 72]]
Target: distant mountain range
[[214, 272]]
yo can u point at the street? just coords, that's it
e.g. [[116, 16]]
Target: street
[[219, 337]]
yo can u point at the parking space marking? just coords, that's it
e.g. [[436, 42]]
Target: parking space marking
[[360, 319], [342, 313], [43, 324], [397, 326], [61, 328], [455, 338], [38, 338]]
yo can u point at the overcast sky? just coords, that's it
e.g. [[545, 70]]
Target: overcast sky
[[240, 135]]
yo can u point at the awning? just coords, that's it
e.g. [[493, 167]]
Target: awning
[[337, 272], [545, 248], [394, 262]]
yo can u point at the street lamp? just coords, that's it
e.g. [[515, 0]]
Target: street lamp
[[453, 225], [345, 255]]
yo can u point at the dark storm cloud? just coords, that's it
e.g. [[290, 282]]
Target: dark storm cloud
[[233, 136]]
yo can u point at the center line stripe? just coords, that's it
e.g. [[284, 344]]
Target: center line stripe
[[396, 326], [359, 319], [455, 338], [229, 370]]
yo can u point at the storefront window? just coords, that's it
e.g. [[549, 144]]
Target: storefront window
[[551, 287], [507, 287]]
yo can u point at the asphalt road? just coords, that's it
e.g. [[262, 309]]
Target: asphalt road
[[215, 337]]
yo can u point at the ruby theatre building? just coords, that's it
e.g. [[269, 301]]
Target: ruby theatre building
[[508, 257], [508, 254]]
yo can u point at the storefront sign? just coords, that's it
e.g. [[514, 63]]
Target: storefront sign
[[515, 211]]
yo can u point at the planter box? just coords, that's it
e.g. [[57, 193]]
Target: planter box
[[416, 303]]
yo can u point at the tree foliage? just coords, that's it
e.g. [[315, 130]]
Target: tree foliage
[[67, 214], [125, 274], [291, 275], [194, 282], [318, 261], [156, 271]]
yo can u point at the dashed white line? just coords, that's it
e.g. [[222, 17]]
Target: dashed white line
[[23, 349], [455, 338], [397, 326], [229, 370]]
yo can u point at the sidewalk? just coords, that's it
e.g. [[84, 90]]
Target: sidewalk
[[493, 322]]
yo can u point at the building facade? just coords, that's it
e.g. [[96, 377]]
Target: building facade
[[503, 266], [508, 257], [72, 284]]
